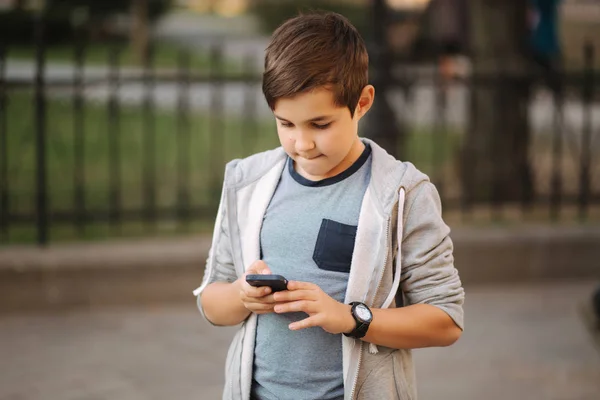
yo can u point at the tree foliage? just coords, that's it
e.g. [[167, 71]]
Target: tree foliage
[[62, 16]]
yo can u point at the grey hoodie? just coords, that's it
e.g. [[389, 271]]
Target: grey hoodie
[[423, 273]]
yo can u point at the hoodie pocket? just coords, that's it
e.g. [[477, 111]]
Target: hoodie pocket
[[335, 245], [403, 376], [379, 380], [386, 377]]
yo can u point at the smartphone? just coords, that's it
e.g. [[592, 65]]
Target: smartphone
[[277, 283]]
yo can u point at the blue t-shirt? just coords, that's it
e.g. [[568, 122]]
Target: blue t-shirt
[[308, 235]]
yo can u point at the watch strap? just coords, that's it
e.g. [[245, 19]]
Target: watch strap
[[360, 330]]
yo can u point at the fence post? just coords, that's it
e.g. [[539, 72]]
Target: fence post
[[499, 84], [380, 122], [588, 93], [250, 110], [149, 141], [4, 218], [216, 131], [40, 129], [439, 139], [183, 140], [114, 137], [79, 138], [557, 151], [468, 163]]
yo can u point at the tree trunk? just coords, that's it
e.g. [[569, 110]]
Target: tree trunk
[[140, 30], [495, 161]]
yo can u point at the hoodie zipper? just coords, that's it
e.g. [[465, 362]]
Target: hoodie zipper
[[387, 241], [385, 261], [357, 369]]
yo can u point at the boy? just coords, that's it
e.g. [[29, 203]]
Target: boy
[[326, 211]]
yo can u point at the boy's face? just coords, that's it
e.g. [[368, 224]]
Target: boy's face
[[321, 137]]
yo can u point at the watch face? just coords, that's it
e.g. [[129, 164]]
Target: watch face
[[363, 313]]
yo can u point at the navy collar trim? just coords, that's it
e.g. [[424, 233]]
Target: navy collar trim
[[334, 179]]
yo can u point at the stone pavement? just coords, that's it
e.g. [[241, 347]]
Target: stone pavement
[[521, 342]]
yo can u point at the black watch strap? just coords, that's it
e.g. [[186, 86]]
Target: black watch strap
[[360, 330]]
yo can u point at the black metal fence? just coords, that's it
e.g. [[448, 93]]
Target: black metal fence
[[97, 151]]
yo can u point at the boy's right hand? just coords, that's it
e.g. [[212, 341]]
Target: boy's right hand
[[258, 300]]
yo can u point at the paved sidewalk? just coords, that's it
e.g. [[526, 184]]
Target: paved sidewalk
[[521, 342]]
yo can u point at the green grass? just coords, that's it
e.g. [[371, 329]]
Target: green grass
[[207, 154], [430, 149], [166, 55], [211, 142]]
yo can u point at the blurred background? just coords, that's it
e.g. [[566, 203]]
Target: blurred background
[[116, 121]]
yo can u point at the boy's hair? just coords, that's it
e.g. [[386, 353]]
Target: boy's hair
[[316, 50]]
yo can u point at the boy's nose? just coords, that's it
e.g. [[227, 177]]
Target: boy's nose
[[304, 144]]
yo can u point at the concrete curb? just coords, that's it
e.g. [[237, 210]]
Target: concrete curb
[[527, 254], [107, 255], [167, 270], [101, 274]]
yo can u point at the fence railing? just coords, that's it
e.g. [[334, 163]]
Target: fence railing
[[94, 151]]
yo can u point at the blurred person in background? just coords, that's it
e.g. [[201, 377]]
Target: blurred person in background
[[544, 40], [448, 25]]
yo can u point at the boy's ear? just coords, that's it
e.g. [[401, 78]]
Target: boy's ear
[[367, 96]]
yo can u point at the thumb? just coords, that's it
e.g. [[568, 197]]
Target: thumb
[[258, 267], [265, 270]]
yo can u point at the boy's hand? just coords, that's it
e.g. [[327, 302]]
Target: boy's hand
[[323, 311], [258, 300]]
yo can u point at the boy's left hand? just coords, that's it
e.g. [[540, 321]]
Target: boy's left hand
[[331, 315]]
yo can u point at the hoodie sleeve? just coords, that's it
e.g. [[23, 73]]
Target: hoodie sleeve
[[219, 265], [428, 275]]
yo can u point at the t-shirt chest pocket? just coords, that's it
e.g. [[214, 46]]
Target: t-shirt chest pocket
[[335, 245]]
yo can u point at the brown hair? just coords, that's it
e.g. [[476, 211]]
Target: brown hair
[[315, 50]]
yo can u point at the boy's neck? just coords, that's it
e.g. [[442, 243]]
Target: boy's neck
[[354, 154]]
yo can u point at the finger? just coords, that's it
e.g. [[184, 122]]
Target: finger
[[298, 285], [260, 300], [253, 268], [305, 323], [253, 291], [287, 296], [296, 306], [259, 307], [256, 292], [265, 270]]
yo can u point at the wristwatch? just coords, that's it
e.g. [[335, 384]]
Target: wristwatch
[[363, 317]]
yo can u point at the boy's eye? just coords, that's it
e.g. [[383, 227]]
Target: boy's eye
[[286, 124], [322, 126]]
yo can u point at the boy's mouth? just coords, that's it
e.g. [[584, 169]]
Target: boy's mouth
[[311, 158]]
